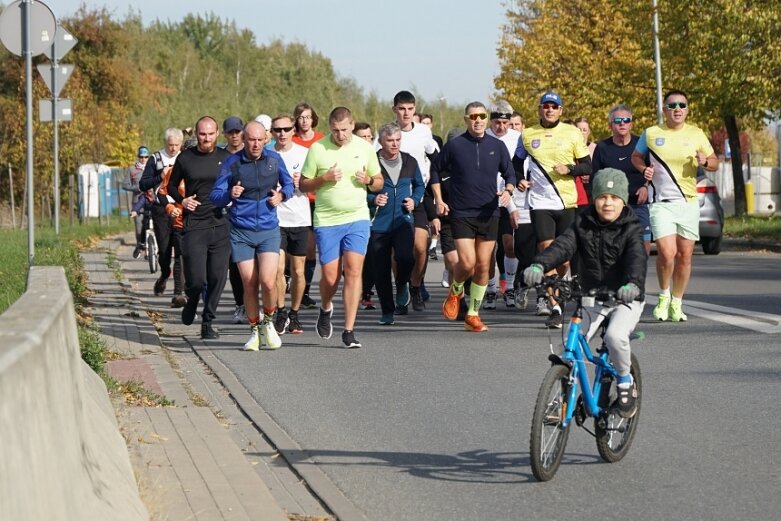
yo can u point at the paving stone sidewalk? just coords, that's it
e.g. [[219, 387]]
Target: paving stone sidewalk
[[187, 463]]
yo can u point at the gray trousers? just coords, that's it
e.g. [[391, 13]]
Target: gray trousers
[[623, 321]]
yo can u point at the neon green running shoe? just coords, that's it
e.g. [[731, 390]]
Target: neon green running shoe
[[662, 309], [253, 344], [676, 312]]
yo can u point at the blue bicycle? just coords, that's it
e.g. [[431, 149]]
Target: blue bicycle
[[567, 392]]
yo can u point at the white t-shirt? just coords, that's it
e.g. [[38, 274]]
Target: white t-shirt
[[295, 211]]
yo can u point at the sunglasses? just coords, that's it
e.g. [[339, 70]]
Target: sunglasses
[[476, 116], [553, 106], [143, 157], [625, 121], [281, 129], [677, 105]]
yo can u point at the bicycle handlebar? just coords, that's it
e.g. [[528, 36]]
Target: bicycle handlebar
[[570, 290]]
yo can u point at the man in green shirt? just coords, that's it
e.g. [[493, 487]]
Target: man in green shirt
[[340, 168]]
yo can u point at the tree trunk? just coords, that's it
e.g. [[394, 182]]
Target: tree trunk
[[737, 164]]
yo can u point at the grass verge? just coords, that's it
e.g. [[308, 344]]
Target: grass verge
[[63, 250], [767, 228]]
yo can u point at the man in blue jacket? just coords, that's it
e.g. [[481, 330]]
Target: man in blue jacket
[[393, 223], [255, 181]]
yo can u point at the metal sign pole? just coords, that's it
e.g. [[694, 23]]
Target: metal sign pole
[[28, 66], [55, 121]]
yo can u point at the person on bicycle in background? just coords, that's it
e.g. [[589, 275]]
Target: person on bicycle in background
[[608, 239]]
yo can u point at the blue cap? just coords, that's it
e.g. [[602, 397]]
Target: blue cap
[[232, 124], [143, 151], [551, 97]]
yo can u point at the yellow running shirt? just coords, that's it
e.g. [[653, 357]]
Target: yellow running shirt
[[547, 147], [673, 158]]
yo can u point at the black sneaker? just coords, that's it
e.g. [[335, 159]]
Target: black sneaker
[[188, 311], [324, 327], [626, 403], [349, 341], [137, 251], [294, 325], [178, 301], [554, 319], [281, 321], [159, 287], [417, 299], [207, 332], [432, 254], [401, 310], [308, 302]]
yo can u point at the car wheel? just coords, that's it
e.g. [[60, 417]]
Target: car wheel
[[711, 245]]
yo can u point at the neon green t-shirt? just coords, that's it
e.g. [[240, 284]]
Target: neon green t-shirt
[[344, 201]]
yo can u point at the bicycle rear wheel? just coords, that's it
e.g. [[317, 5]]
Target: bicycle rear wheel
[[615, 434], [151, 251], [548, 438]]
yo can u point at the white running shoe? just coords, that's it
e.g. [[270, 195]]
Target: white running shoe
[[239, 315], [490, 301], [445, 279], [542, 307], [253, 344], [270, 335]]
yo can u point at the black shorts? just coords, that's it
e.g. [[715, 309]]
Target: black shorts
[[505, 226], [549, 224], [421, 219], [484, 228], [446, 241], [294, 240]]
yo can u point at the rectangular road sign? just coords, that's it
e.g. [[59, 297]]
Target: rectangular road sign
[[64, 109]]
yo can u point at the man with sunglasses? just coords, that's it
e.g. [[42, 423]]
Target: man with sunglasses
[[616, 152], [295, 222], [557, 155], [669, 155], [473, 160]]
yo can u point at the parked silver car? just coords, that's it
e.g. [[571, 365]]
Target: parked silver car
[[711, 215]]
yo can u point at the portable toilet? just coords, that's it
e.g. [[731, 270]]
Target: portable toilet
[[96, 194]]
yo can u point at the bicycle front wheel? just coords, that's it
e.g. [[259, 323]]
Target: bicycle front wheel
[[151, 251], [548, 437], [615, 434]]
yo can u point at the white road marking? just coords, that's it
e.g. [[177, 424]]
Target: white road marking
[[754, 320]]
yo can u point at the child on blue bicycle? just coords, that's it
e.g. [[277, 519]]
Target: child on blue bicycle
[[608, 241]]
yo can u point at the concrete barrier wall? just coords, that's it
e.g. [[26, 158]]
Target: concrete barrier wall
[[61, 454]]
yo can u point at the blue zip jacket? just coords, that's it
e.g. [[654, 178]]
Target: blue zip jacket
[[252, 211], [390, 217], [473, 164]]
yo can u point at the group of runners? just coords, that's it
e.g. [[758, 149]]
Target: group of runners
[[505, 201]]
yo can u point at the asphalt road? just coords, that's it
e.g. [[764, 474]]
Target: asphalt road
[[428, 422]]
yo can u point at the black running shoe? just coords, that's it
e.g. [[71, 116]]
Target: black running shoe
[[294, 326], [627, 401], [308, 302], [554, 320], [349, 341], [417, 299], [324, 327], [207, 332], [281, 321], [188, 311]]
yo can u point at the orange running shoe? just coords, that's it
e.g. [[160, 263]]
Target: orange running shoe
[[474, 324], [450, 305]]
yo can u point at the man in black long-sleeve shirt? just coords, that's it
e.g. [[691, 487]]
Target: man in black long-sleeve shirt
[[473, 160], [206, 243]]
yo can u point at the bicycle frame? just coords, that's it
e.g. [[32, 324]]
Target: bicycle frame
[[575, 349]]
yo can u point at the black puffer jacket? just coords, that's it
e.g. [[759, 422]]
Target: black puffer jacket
[[609, 255]]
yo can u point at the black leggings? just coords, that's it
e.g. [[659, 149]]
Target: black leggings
[[401, 241], [206, 255]]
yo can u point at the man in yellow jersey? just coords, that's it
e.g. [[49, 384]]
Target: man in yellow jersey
[[557, 154], [668, 155], [340, 168]]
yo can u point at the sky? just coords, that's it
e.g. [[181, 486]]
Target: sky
[[434, 48]]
